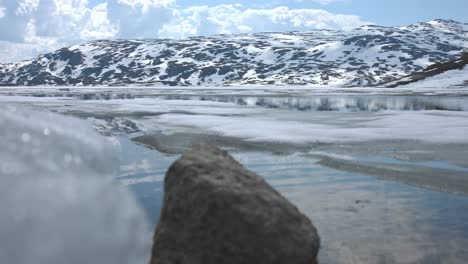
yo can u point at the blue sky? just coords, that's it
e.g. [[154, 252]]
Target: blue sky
[[403, 12], [29, 27]]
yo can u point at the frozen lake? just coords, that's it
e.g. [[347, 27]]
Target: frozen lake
[[382, 173]]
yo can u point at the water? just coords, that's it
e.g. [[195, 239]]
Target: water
[[382, 174], [360, 219], [303, 100], [338, 102]]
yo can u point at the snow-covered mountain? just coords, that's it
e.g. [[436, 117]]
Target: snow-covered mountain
[[445, 74], [366, 56]]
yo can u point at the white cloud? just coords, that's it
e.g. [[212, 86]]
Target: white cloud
[[226, 19], [50, 23], [26, 7], [14, 51], [326, 2], [98, 25], [322, 2], [61, 19], [140, 18], [147, 4]]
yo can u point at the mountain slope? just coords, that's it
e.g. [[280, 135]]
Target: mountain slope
[[450, 78], [366, 56], [451, 73]]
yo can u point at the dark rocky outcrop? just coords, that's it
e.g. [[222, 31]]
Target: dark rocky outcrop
[[216, 211], [432, 70]]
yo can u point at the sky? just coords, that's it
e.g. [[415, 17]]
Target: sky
[[31, 27]]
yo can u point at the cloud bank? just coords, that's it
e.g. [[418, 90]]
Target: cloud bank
[[29, 27]]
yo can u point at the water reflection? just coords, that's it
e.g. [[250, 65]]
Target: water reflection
[[340, 102], [301, 102], [142, 170], [360, 219]]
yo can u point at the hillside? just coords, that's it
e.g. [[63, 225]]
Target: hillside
[[366, 56], [451, 73]]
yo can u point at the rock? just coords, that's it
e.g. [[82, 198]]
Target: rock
[[216, 211]]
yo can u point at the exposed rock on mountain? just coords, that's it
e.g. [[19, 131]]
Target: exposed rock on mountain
[[215, 211], [452, 70], [365, 56]]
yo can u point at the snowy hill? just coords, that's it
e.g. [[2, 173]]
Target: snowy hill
[[450, 78], [366, 56], [438, 75]]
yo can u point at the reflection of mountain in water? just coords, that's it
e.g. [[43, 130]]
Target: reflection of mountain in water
[[308, 103], [342, 103]]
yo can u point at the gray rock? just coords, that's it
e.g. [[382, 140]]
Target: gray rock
[[216, 211]]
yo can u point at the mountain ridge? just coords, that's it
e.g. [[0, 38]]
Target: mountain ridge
[[366, 56]]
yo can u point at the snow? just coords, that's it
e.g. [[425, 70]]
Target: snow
[[447, 79], [58, 198], [332, 51], [430, 126], [286, 115], [364, 56], [423, 62]]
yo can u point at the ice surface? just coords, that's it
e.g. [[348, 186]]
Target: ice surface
[[285, 115], [430, 126], [59, 202]]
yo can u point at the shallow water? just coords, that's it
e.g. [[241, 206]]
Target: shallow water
[[360, 219], [382, 174]]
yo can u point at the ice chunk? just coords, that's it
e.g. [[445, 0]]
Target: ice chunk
[[59, 202]]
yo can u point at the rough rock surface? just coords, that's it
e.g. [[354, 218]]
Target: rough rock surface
[[216, 211]]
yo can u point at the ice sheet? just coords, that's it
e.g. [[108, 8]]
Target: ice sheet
[[292, 116], [431, 126]]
